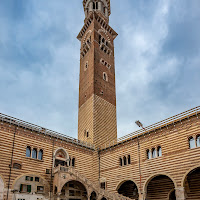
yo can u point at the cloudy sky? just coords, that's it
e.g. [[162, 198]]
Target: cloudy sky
[[157, 55]]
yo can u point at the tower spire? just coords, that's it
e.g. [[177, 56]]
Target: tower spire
[[97, 98]]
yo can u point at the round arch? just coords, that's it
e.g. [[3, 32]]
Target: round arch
[[185, 175], [104, 32], [86, 35], [191, 183], [155, 175], [71, 180], [29, 174], [128, 188], [160, 186], [75, 189], [123, 181]]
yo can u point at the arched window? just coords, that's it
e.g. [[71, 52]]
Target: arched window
[[125, 162], [94, 5], [97, 5], [34, 153], [129, 159], [73, 162], [120, 161], [40, 154], [159, 151], [192, 143], [153, 153], [105, 76], [148, 154], [198, 141], [28, 151]]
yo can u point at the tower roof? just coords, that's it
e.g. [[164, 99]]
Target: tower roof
[[106, 1]]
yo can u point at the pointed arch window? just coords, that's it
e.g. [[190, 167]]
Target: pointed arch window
[[125, 161], [73, 162], [148, 154], [120, 161], [40, 154], [153, 153], [94, 5], [97, 5], [159, 151], [28, 151], [34, 153], [129, 159], [192, 143]]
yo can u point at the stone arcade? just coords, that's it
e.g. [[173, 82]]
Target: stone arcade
[[158, 163]]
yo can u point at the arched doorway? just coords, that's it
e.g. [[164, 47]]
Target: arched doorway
[[74, 190], [103, 198], [128, 189], [192, 184], [93, 196], [161, 187], [1, 187]]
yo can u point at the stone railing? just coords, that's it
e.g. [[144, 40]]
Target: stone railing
[[96, 187]]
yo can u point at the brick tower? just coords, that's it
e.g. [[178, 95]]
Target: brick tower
[[97, 122]]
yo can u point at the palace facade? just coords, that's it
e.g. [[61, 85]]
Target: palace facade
[[159, 162]]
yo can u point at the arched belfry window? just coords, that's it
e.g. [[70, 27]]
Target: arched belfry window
[[28, 151], [192, 143]]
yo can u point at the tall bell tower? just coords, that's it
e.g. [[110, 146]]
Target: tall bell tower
[[97, 122]]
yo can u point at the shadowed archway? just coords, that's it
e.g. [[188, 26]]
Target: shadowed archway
[[160, 187], [73, 190], [128, 189], [192, 184]]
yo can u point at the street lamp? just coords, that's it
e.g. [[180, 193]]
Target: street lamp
[[139, 124]]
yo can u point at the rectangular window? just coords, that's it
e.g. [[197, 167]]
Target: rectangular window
[[25, 188], [40, 189], [103, 185], [29, 178], [37, 179], [71, 193]]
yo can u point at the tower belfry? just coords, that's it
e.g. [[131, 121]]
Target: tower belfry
[[97, 122]]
